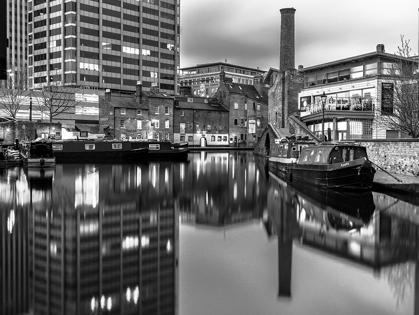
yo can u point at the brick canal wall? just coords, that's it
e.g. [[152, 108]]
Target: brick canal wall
[[397, 156]]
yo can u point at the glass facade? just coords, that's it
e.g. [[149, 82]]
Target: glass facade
[[97, 42]]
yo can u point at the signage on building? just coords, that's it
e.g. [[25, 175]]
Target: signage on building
[[252, 126]]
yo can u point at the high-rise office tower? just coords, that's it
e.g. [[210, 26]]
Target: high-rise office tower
[[104, 44], [16, 33]]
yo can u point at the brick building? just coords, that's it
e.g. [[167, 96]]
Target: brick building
[[199, 119], [146, 115], [248, 107]]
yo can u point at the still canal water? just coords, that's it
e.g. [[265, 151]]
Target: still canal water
[[215, 235]]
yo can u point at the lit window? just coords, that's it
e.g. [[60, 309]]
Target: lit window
[[153, 74], [167, 124], [146, 52], [139, 124], [170, 46], [123, 111], [131, 50], [107, 46], [236, 105]]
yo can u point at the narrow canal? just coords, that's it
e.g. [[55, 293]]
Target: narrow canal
[[214, 235]]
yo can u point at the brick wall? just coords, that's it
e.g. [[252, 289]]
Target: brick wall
[[396, 156]]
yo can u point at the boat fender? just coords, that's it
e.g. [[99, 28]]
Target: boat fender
[[42, 161]]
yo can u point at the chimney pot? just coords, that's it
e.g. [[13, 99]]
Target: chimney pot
[[380, 48], [108, 95]]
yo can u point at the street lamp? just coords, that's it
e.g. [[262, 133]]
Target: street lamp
[[323, 97]]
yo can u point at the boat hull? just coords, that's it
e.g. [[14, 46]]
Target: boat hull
[[352, 175], [116, 151], [39, 162]]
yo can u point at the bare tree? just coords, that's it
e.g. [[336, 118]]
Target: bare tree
[[400, 98], [55, 99], [13, 93]]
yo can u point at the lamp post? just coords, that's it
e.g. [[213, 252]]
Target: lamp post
[[323, 97]]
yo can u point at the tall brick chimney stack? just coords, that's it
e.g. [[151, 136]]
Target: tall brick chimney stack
[[287, 41]]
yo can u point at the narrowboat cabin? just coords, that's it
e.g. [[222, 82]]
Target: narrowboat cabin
[[163, 150], [327, 165], [97, 151], [38, 154]]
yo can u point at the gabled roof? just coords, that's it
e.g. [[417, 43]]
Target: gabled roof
[[153, 94], [249, 90], [125, 102], [201, 106], [268, 74]]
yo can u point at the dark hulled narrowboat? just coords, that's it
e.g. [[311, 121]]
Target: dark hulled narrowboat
[[38, 154], [97, 151], [327, 165]]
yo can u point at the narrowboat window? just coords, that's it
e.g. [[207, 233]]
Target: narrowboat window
[[182, 138], [219, 138], [311, 157], [190, 138], [117, 146], [319, 156], [57, 147], [212, 138], [154, 146], [344, 155], [89, 146], [304, 156], [351, 154]]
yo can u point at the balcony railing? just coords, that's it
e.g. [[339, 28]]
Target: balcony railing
[[336, 107]]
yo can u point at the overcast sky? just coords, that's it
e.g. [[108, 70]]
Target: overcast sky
[[247, 32]]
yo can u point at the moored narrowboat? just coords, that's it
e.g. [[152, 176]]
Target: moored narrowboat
[[38, 154], [327, 165], [163, 150], [75, 151]]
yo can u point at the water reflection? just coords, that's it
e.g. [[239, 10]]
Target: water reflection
[[384, 240], [89, 239], [94, 239]]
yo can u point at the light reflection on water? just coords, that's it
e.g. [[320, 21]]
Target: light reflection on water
[[216, 235]]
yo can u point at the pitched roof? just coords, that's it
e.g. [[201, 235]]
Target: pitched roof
[[201, 106], [153, 94], [249, 90], [118, 101]]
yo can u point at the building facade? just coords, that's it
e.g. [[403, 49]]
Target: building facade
[[145, 116], [104, 45], [199, 120], [204, 79], [16, 33], [357, 89], [248, 110]]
